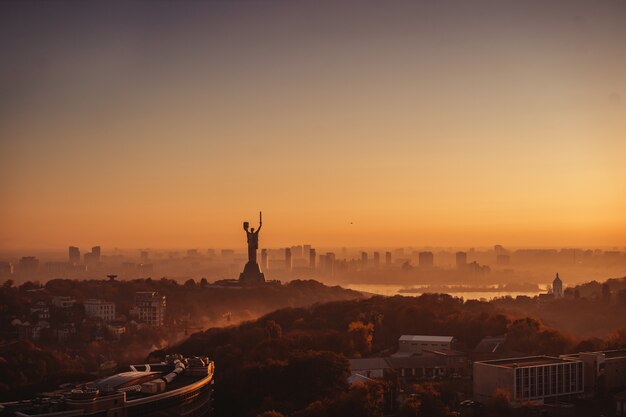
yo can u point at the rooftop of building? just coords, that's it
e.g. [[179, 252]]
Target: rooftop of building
[[426, 338], [526, 361], [608, 354]]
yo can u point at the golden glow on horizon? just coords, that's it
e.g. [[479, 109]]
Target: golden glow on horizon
[[413, 139]]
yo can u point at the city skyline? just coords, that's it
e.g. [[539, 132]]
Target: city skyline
[[137, 128]]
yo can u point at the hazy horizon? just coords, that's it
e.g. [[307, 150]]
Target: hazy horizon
[[418, 123]]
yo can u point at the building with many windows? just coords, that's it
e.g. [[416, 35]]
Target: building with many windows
[[535, 379], [149, 308], [605, 371], [101, 309]]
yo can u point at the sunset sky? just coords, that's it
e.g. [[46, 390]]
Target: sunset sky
[[167, 124]]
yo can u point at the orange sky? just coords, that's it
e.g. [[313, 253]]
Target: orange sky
[[417, 125]]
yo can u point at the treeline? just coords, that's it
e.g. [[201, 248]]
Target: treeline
[[192, 299], [293, 360]]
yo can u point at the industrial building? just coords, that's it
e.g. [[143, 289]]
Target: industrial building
[[536, 379], [605, 371]]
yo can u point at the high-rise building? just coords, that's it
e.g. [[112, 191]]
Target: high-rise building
[[306, 250], [461, 260], [74, 255], [28, 264], [363, 259], [96, 253], [329, 263], [376, 258], [426, 259], [150, 308], [388, 258], [288, 259], [263, 259], [101, 309], [312, 256], [557, 287], [296, 251]]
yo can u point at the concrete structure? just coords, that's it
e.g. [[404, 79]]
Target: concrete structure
[[179, 387], [557, 287], [101, 309], [535, 379], [388, 258], [150, 308], [426, 259], [605, 371], [416, 344], [312, 256]]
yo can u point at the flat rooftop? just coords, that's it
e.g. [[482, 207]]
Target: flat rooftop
[[425, 338], [525, 361]]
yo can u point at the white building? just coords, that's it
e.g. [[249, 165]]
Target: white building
[[150, 308], [416, 344], [101, 309], [535, 379]]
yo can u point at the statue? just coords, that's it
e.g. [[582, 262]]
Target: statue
[[253, 239], [252, 274]]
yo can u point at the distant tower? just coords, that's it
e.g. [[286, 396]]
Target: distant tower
[[329, 266], [288, 259], [263, 259], [557, 287], [376, 258], [461, 260], [388, 258], [74, 254], [364, 259], [426, 259], [96, 253], [312, 257]]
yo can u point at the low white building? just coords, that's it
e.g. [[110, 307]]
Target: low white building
[[417, 344], [101, 309], [536, 379]]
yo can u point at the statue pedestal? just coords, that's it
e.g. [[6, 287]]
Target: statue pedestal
[[252, 274]]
